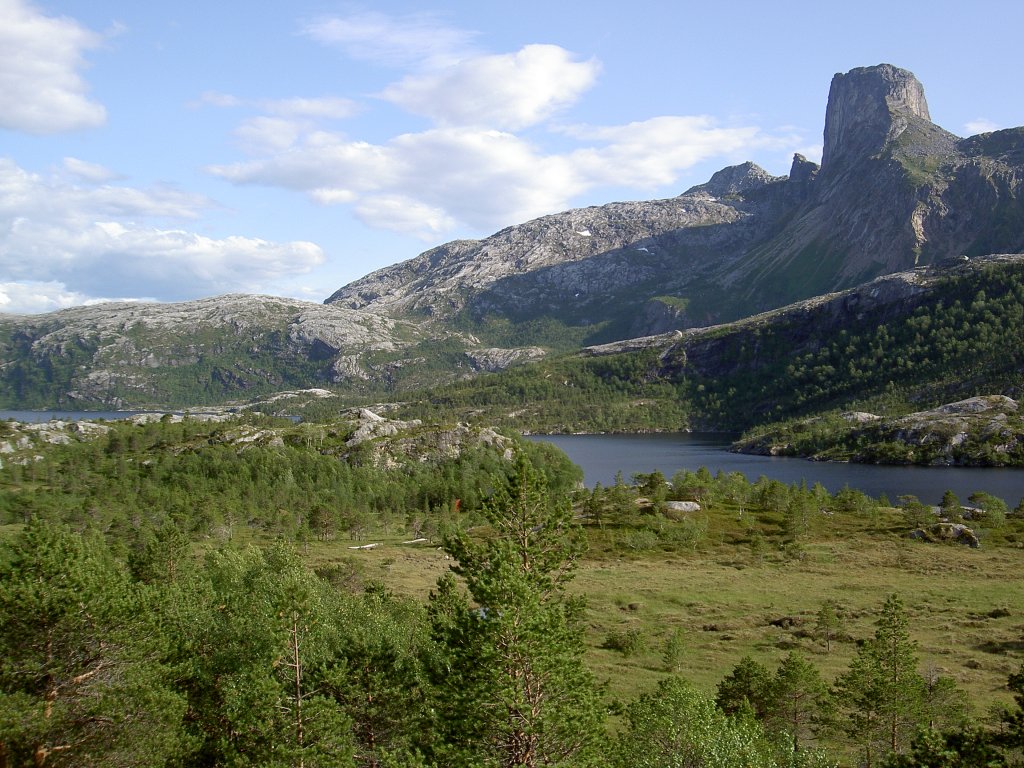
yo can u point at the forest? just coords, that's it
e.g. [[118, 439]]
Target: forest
[[963, 340], [194, 593]]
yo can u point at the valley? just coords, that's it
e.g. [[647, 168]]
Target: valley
[[330, 543]]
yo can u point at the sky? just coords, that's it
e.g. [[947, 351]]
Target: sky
[[173, 151]]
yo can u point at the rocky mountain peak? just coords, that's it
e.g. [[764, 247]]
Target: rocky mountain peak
[[735, 180], [868, 107], [802, 170]]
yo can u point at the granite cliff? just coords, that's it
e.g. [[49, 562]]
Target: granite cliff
[[893, 191]]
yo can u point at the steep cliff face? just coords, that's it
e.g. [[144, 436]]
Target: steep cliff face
[[868, 108], [894, 191]]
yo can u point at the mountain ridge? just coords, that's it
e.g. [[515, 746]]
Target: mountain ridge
[[891, 194], [894, 192]]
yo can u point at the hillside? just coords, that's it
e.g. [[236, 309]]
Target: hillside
[[217, 350], [901, 343]]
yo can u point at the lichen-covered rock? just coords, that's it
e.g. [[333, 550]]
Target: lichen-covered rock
[[498, 359], [954, 533]]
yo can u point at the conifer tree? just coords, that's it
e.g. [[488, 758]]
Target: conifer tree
[[798, 700], [513, 687], [882, 694], [82, 675]]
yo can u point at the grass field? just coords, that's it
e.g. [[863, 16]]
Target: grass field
[[723, 599]]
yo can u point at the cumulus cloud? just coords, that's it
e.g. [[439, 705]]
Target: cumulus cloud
[[41, 88], [61, 244], [653, 152], [454, 176], [508, 91], [485, 179], [395, 41], [475, 168], [32, 297], [403, 214], [981, 125]]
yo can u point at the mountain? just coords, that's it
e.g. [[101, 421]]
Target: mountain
[[893, 191], [899, 344], [206, 351]]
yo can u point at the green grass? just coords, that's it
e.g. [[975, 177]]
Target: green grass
[[966, 606]]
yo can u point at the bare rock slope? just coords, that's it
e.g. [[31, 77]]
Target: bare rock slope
[[894, 191]]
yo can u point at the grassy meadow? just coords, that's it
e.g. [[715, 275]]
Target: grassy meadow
[[697, 609]]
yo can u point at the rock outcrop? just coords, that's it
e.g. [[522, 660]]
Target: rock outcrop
[[206, 351], [894, 191], [868, 108]]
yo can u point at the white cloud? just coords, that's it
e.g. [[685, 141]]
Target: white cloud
[[472, 170], [31, 297], [980, 125], [260, 135], [453, 176], [485, 179], [653, 152], [324, 107], [396, 41], [403, 214], [511, 91], [216, 99], [86, 171], [41, 90], [61, 243]]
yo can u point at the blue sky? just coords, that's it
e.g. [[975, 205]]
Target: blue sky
[[171, 151]]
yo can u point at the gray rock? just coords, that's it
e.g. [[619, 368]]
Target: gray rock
[[955, 533], [682, 506]]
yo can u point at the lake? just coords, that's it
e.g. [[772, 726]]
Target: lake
[[601, 456]]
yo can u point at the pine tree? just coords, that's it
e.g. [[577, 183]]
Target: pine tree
[[513, 687], [745, 689], [82, 674], [827, 623], [882, 693], [798, 700]]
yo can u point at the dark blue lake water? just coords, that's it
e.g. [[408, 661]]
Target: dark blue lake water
[[601, 456]]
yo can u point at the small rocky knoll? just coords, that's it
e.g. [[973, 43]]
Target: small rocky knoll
[[389, 443], [386, 443], [979, 431]]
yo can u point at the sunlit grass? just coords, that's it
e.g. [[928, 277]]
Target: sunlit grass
[[726, 600]]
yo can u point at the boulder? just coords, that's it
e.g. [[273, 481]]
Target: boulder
[[682, 506], [955, 533]]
